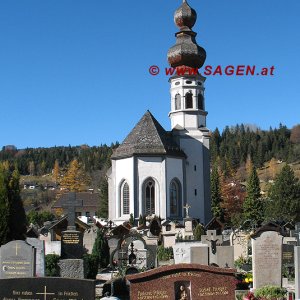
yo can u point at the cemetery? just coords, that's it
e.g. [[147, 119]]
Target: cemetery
[[164, 234], [231, 264]]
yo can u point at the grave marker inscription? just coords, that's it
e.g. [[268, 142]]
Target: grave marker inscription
[[267, 258], [183, 281], [17, 259]]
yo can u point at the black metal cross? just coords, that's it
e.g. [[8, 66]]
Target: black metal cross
[[71, 205]]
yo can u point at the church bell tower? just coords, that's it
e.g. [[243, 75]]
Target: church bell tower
[[188, 114]]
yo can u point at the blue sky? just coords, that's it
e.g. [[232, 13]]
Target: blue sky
[[76, 72]]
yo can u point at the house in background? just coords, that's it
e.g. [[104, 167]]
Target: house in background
[[89, 208]]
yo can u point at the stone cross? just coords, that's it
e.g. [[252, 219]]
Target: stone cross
[[71, 205], [187, 207]]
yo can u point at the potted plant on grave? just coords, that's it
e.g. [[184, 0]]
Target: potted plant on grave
[[243, 263], [270, 292]]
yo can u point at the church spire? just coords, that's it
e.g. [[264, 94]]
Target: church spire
[[186, 51]]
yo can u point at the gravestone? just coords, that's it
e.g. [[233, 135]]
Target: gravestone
[[17, 259], [199, 255], [287, 254], [225, 256], [39, 245], [266, 258], [239, 241], [297, 272], [212, 240], [72, 240], [71, 265], [183, 281], [47, 288], [188, 252]]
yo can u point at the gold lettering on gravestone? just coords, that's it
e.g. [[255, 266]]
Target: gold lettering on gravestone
[[213, 291], [15, 268], [153, 295], [182, 274], [71, 238]]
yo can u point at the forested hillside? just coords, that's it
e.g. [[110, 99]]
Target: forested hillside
[[249, 173], [241, 142], [41, 161]]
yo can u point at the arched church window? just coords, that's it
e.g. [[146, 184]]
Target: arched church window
[[150, 197], [189, 100], [125, 198], [200, 101], [177, 102], [174, 197]]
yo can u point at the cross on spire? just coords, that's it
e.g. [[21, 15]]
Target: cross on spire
[[71, 205]]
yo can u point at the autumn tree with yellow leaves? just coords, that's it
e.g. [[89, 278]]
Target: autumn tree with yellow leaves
[[75, 179]]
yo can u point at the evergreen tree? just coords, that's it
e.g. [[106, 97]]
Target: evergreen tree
[[215, 188], [252, 206], [17, 216], [4, 208], [284, 197], [103, 208], [101, 249], [198, 232]]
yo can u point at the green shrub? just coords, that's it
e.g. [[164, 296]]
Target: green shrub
[[241, 261], [51, 263], [91, 265], [270, 292], [164, 253]]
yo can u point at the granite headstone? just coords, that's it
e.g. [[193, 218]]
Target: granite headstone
[[39, 245], [17, 259], [267, 258], [47, 288], [183, 281]]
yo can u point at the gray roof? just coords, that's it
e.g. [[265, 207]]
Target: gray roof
[[148, 138]]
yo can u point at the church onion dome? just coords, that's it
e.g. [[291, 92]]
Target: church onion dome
[[186, 51], [148, 137]]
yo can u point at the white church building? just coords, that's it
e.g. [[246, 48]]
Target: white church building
[[159, 172]]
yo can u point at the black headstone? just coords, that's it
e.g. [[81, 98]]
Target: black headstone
[[71, 244], [287, 254], [17, 259], [47, 288]]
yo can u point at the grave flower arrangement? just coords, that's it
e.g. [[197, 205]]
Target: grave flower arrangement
[[249, 296]]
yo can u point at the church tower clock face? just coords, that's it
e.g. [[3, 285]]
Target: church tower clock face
[[157, 172]]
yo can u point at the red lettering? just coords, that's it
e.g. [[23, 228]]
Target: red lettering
[[229, 70], [180, 71], [250, 70], [170, 71], [240, 71], [272, 70], [218, 70], [193, 71], [207, 70]]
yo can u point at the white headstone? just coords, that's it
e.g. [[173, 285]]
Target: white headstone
[[182, 252], [267, 259], [239, 241]]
